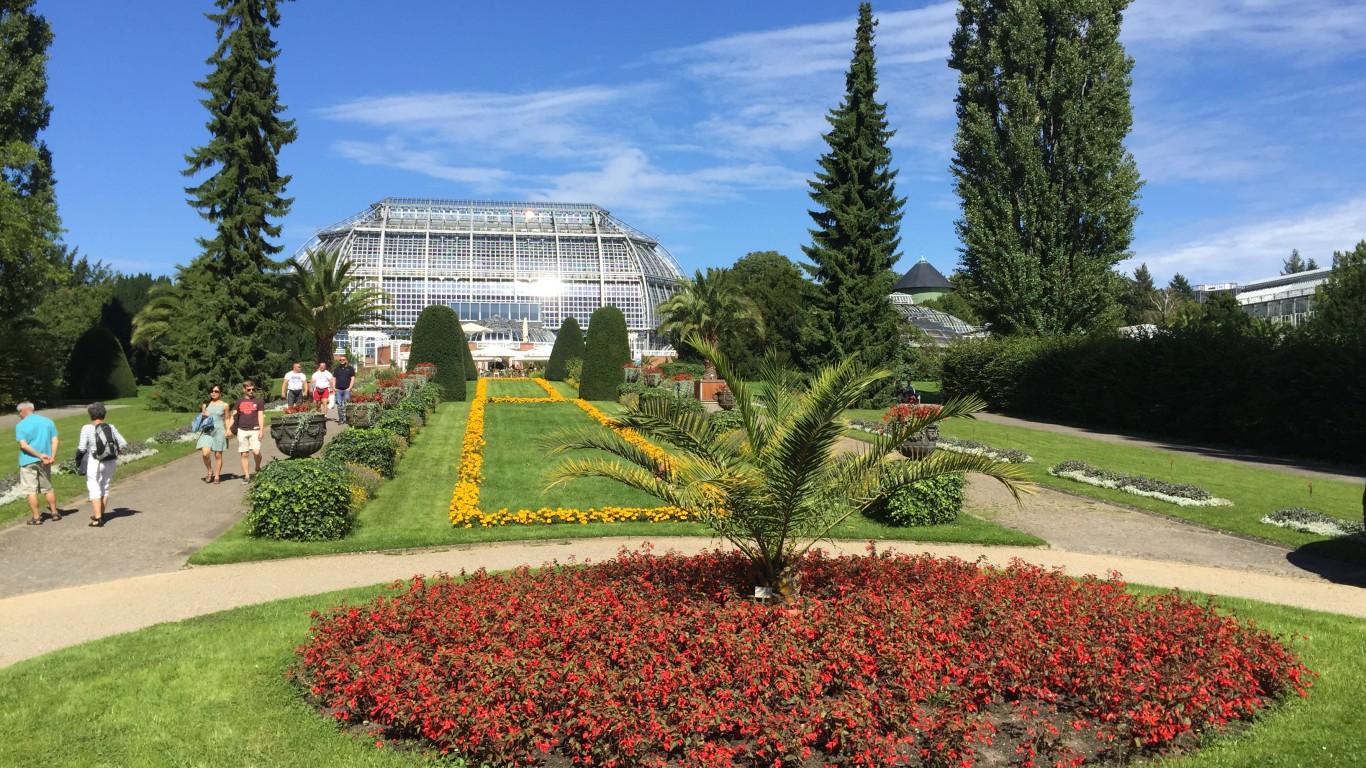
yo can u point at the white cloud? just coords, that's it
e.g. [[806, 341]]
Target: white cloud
[[1255, 249], [1217, 149], [393, 153], [1309, 29]]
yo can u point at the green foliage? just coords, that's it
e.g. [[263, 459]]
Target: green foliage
[[438, 339], [726, 421], [399, 423], [1340, 302], [711, 306], [568, 346], [28, 369], [605, 352], [98, 369], [676, 367], [858, 221], [325, 296], [780, 293], [1140, 298], [1047, 187], [1296, 263], [471, 370], [936, 501], [365, 478], [374, 448], [955, 304], [300, 500]]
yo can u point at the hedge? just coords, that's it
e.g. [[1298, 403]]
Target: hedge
[[439, 339], [605, 352], [936, 501], [300, 500], [568, 345], [98, 369]]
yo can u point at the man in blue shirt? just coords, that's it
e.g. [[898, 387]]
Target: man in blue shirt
[[37, 437]]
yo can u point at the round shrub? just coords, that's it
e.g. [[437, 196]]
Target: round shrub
[[892, 660], [400, 423], [300, 500], [373, 448], [936, 501], [98, 369], [727, 420], [439, 339], [604, 354]]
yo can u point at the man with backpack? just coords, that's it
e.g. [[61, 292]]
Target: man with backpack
[[100, 444]]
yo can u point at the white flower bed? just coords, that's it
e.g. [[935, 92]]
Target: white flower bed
[[1181, 495], [1308, 521]]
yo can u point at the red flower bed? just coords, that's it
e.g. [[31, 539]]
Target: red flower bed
[[658, 661]]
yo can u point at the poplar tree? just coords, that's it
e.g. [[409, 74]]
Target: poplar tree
[[858, 219], [1047, 187], [230, 328]]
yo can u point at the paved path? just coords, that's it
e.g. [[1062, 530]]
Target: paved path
[[63, 583]]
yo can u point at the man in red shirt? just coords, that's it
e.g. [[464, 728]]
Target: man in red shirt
[[247, 421]]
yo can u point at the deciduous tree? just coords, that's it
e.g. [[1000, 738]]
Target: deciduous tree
[[1047, 187]]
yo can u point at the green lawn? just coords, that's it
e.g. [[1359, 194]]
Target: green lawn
[[1255, 492], [213, 691], [513, 388], [412, 509], [133, 421]]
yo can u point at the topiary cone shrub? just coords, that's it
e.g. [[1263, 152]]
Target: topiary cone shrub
[[568, 346], [891, 660], [98, 368], [439, 339], [604, 354]]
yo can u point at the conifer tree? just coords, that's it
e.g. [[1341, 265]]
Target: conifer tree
[[1046, 184], [858, 217], [568, 345], [231, 327]]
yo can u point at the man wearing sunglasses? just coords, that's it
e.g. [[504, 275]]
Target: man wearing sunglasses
[[246, 418]]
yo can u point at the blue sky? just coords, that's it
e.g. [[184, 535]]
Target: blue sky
[[699, 123]]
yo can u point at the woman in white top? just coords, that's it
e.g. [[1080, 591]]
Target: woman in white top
[[99, 473]]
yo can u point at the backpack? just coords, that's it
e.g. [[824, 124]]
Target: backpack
[[106, 447]]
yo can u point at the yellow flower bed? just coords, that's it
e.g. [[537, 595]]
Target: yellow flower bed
[[629, 435], [464, 510]]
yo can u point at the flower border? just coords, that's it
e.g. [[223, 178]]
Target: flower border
[[464, 507]]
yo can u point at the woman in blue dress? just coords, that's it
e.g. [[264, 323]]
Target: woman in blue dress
[[215, 441]]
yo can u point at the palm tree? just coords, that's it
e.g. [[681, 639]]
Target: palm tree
[[325, 297], [711, 307], [154, 320], [780, 484]]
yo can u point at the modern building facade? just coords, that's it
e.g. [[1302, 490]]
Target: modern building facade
[[541, 262], [1280, 299]]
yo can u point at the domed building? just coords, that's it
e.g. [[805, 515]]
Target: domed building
[[922, 283], [514, 265]]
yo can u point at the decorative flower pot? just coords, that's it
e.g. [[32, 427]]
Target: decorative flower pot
[[921, 444], [299, 434], [363, 414], [391, 395], [725, 398]]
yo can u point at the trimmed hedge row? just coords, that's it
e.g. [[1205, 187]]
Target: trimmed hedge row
[[1286, 395]]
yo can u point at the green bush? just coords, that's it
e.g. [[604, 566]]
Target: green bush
[[439, 339], [373, 448], [98, 368], [936, 501], [605, 352], [300, 500], [675, 367], [568, 346], [727, 420], [365, 478], [400, 423]]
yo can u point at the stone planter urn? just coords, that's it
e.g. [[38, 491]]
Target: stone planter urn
[[725, 399], [363, 414], [391, 395], [299, 434], [921, 444]]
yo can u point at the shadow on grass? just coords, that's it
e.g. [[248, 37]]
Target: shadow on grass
[[1332, 559]]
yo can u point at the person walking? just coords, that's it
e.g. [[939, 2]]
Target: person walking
[[322, 386], [246, 418], [216, 440], [101, 443], [342, 378], [37, 437], [295, 386]]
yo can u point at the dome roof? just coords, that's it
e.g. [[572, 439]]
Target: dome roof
[[922, 277]]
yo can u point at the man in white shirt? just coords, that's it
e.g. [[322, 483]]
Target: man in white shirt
[[295, 386], [322, 387]]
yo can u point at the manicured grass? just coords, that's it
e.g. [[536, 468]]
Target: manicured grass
[[513, 388], [213, 691], [412, 509], [1255, 492], [134, 422]]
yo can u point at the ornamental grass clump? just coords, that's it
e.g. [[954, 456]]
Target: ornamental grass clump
[[893, 660], [779, 483]]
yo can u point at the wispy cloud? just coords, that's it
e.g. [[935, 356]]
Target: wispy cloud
[[1254, 249], [1309, 29]]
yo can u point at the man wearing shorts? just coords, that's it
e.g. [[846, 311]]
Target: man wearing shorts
[[246, 416], [322, 386], [37, 437], [293, 388]]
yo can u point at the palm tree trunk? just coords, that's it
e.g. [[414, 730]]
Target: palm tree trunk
[[322, 350]]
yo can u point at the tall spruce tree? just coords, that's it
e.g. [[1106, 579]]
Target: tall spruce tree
[[854, 245], [231, 327], [1047, 187]]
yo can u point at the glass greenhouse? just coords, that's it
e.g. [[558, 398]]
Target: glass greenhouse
[[505, 262]]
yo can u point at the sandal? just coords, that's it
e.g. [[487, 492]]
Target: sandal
[[35, 521], [215, 481], [96, 522], [208, 478]]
